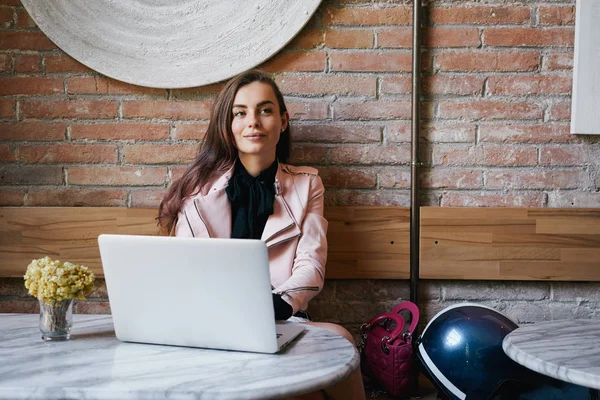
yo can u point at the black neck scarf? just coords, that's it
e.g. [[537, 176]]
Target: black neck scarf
[[251, 200]]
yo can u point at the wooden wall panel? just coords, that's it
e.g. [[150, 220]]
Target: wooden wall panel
[[510, 244], [364, 242], [368, 242], [64, 233]]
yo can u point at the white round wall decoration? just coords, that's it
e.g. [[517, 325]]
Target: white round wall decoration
[[171, 44]]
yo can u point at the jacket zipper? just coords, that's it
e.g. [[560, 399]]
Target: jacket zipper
[[298, 289], [202, 219], [279, 231], [189, 225], [282, 241]]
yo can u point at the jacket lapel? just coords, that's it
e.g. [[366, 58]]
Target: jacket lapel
[[281, 225], [215, 212], [214, 209]]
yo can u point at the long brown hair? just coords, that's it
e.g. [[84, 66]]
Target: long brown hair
[[218, 152]]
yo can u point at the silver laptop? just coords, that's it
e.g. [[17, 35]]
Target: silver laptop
[[211, 293]]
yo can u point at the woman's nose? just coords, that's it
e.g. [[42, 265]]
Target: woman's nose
[[253, 121]]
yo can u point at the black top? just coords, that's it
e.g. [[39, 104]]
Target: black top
[[252, 201]]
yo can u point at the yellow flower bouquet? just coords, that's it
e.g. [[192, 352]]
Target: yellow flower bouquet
[[56, 284]]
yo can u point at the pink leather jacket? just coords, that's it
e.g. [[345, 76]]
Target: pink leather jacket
[[295, 234]]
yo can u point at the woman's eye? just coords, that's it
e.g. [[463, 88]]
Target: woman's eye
[[266, 111], [238, 113]]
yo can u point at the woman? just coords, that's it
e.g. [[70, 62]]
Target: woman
[[239, 187]]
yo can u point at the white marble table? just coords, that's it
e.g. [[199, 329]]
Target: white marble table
[[568, 350], [95, 365]]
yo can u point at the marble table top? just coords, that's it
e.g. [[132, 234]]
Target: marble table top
[[94, 364], [568, 350]]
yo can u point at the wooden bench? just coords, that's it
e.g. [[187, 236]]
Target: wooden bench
[[364, 242]]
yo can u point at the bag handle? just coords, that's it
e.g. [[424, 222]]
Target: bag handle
[[387, 316], [414, 310]]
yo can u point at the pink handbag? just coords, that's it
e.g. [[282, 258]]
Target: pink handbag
[[386, 351]]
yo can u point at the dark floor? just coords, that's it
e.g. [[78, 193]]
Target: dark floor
[[426, 391], [384, 396]]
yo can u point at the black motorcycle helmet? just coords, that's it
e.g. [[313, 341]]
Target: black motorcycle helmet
[[461, 350]]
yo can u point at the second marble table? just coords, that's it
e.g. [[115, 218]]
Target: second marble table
[[568, 350], [95, 365]]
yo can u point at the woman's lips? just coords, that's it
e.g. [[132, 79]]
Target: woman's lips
[[256, 136]]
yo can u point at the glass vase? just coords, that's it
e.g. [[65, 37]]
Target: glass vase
[[56, 319]]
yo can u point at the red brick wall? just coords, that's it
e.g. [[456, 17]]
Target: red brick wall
[[497, 84]]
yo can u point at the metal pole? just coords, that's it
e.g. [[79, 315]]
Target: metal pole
[[415, 163]]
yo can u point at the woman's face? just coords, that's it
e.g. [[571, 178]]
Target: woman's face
[[257, 120]]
